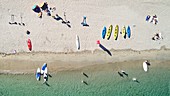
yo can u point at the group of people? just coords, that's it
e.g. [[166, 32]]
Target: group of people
[[152, 19], [50, 12], [43, 7]]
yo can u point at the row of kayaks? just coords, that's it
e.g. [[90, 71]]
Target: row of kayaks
[[42, 71], [106, 33]]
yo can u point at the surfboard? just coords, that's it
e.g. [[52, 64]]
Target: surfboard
[[145, 66], [109, 32], [147, 18], [43, 68], [29, 44], [77, 42], [45, 75], [116, 32], [38, 74], [104, 32], [124, 32], [128, 32]]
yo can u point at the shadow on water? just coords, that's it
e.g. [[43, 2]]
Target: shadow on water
[[120, 74], [46, 84], [105, 49], [125, 73], [137, 81], [85, 75], [49, 75], [85, 82]]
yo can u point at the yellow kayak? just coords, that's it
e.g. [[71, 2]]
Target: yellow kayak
[[124, 32], [116, 32], [109, 32]]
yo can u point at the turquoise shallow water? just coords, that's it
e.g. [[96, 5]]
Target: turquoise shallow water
[[100, 83]]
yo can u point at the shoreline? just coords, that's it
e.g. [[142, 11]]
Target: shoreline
[[28, 62], [83, 51]]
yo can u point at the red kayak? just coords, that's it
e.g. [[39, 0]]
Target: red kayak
[[29, 44]]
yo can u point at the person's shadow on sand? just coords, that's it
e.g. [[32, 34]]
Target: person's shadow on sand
[[58, 18], [105, 49]]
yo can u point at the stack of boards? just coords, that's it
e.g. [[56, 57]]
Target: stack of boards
[[43, 72], [107, 33]]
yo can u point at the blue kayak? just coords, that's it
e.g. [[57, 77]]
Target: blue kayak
[[104, 32], [128, 31]]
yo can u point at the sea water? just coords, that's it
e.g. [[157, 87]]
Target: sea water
[[156, 82]]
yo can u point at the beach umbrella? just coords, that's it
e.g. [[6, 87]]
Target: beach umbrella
[[44, 5], [33, 7], [36, 8]]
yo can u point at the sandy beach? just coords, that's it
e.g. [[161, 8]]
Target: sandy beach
[[50, 35], [54, 43]]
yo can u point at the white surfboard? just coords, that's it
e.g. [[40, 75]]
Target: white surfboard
[[145, 66], [45, 75], [38, 74], [77, 42]]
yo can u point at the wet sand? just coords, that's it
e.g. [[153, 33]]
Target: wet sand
[[29, 62]]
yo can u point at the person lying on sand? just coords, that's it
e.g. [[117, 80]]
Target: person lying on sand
[[157, 36]]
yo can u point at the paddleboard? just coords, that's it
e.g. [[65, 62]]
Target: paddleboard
[[38, 74], [104, 32], [45, 75], [128, 32], [116, 32], [145, 66], [29, 44], [147, 18], [77, 42], [109, 32], [43, 68], [124, 32]]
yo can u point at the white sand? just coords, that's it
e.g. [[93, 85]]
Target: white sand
[[48, 34]]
